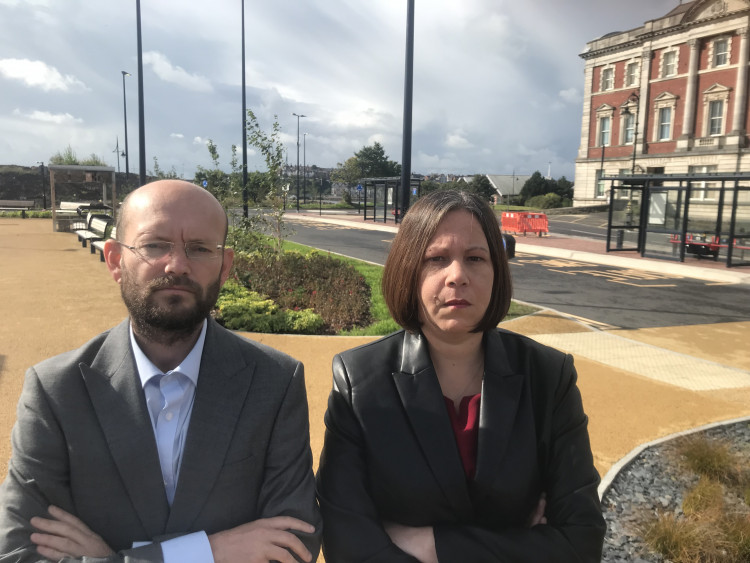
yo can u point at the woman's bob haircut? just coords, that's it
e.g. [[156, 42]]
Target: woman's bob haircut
[[403, 266]]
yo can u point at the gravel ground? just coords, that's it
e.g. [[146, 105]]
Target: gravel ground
[[653, 483]]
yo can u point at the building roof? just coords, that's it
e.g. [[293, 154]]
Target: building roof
[[508, 184]]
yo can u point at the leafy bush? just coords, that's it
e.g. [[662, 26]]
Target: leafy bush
[[240, 309], [332, 288], [547, 201]]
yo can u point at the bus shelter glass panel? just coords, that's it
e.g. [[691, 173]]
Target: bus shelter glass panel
[[741, 243], [626, 216], [664, 223]]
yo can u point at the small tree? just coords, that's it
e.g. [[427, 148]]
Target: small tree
[[272, 149]]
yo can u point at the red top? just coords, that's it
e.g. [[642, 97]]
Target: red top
[[465, 425]]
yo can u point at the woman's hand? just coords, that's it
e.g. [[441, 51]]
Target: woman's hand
[[537, 516], [418, 542]]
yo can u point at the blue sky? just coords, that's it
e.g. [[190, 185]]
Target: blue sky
[[497, 84]]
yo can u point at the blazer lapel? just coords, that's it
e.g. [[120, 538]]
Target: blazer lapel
[[501, 397], [117, 397], [219, 400], [425, 407]]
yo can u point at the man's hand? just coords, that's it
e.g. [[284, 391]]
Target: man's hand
[[261, 541], [418, 542], [64, 535]]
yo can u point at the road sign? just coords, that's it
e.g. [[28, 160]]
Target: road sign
[[205, 183], [359, 187]]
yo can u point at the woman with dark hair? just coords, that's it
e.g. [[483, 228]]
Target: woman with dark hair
[[453, 440]]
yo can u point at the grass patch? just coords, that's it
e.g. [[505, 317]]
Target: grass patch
[[382, 322], [715, 523]]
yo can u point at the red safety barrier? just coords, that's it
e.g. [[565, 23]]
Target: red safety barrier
[[515, 222]]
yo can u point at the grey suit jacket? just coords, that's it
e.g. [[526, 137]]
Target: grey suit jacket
[[83, 441]]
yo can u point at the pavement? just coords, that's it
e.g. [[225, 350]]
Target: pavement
[[638, 386]]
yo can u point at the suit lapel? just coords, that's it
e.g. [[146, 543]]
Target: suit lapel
[[117, 397], [219, 400], [425, 407], [501, 396]]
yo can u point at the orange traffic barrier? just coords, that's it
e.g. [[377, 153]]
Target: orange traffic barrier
[[516, 222]]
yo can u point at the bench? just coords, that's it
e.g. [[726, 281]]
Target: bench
[[99, 244], [97, 227], [21, 205]]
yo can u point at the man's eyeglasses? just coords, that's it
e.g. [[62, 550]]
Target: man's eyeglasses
[[158, 249]]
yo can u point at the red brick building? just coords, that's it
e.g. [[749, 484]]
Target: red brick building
[[668, 97]]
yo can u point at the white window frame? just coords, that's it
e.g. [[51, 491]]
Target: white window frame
[[714, 53], [698, 190], [632, 70], [667, 71], [715, 118], [604, 112], [716, 93], [665, 100], [599, 189], [608, 84]]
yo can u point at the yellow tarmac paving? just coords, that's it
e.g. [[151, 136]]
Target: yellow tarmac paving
[[55, 296]]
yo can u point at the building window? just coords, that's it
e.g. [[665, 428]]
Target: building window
[[665, 124], [628, 128], [721, 52], [715, 100], [631, 74], [599, 184], [703, 190], [716, 117], [669, 63], [608, 78], [605, 127]]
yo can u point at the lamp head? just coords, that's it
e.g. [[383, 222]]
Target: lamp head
[[125, 73]]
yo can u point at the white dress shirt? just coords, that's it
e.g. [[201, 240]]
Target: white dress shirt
[[170, 397]]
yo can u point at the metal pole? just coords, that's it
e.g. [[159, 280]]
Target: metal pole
[[44, 193], [635, 141], [304, 165], [298, 117], [125, 116], [244, 122], [408, 96], [141, 118]]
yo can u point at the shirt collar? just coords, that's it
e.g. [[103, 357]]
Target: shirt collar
[[189, 367]]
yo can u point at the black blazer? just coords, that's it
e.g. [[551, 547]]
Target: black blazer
[[390, 455]]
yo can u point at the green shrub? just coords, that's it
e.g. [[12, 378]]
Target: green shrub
[[547, 201], [240, 309], [332, 288]]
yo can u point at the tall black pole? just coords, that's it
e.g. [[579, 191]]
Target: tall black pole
[[141, 119], [408, 96], [244, 121], [304, 166], [298, 115], [44, 193], [125, 115]]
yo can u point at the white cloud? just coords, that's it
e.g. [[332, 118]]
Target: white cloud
[[165, 70], [199, 141], [47, 117], [37, 74], [177, 135], [570, 95], [457, 140]]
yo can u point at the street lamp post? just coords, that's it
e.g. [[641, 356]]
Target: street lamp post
[[244, 122], [141, 108], [304, 167], [298, 115], [44, 193], [125, 116], [634, 99]]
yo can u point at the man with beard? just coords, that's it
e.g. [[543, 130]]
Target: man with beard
[[167, 438]]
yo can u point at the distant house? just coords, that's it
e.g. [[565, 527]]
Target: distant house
[[507, 185]]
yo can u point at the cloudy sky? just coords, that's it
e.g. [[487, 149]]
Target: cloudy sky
[[497, 83]]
